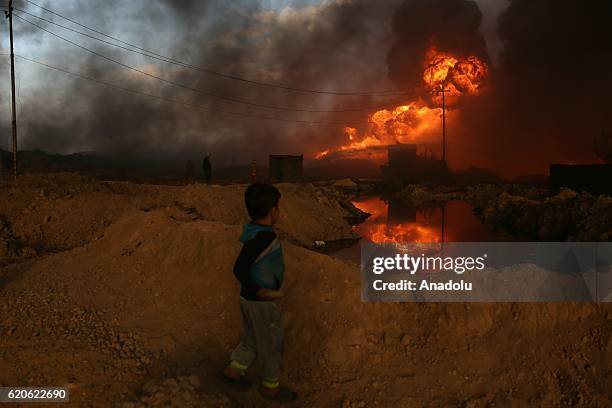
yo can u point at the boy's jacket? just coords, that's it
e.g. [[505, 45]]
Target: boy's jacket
[[260, 262]]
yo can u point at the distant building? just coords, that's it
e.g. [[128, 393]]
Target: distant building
[[593, 178], [402, 160], [403, 163], [284, 167]]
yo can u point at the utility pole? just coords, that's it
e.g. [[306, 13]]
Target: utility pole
[[9, 15], [443, 92]]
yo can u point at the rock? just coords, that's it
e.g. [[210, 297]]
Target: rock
[[345, 184], [565, 194], [194, 380]]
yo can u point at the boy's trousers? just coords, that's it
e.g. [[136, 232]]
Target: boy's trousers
[[262, 337]]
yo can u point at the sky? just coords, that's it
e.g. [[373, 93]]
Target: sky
[[140, 22]]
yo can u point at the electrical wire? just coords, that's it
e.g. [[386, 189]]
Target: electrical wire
[[186, 104], [152, 54], [390, 104], [200, 91]]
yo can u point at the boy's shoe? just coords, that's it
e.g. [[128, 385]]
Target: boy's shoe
[[236, 378], [280, 394]]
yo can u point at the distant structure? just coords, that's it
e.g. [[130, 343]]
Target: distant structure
[[285, 167], [402, 160], [405, 164], [207, 168], [593, 178], [602, 146]]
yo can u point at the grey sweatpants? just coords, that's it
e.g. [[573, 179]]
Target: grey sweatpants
[[262, 337]]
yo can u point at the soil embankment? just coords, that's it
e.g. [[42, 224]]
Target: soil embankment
[[124, 293], [533, 213]]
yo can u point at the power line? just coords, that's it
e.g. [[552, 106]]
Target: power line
[[391, 103], [9, 15], [200, 91], [152, 54], [187, 104], [159, 57]]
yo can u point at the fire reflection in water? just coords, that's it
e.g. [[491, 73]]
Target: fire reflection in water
[[394, 221]]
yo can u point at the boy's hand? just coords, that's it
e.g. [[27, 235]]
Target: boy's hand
[[269, 294]]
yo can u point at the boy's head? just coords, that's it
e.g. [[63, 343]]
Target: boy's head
[[261, 201]]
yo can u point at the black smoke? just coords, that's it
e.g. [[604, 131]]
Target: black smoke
[[451, 25], [554, 83], [334, 46], [547, 97]]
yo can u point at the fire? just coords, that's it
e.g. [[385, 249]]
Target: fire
[[437, 67], [403, 124], [469, 75], [322, 154], [400, 233], [351, 134], [458, 76], [417, 121], [377, 208], [379, 229]]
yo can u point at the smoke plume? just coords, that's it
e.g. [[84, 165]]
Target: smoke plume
[[451, 25], [332, 46], [546, 97]]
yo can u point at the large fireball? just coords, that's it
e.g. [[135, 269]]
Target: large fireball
[[417, 121]]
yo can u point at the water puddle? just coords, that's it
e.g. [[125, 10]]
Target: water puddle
[[395, 221]]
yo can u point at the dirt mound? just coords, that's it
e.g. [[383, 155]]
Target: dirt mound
[[150, 301], [169, 282], [526, 211], [566, 216], [418, 195], [180, 392], [54, 213], [478, 195], [10, 247], [172, 281]]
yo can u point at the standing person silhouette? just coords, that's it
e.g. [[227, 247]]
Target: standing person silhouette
[[207, 168], [253, 171]]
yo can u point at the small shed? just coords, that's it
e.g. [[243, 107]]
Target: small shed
[[593, 178], [402, 160], [283, 167]]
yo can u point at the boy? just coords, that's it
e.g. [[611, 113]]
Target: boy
[[259, 268]]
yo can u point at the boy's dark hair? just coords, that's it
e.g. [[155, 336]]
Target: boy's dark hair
[[260, 198]]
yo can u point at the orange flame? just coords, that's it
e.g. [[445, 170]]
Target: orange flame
[[415, 121], [457, 76], [437, 67], [381, 233], [379, 230]]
